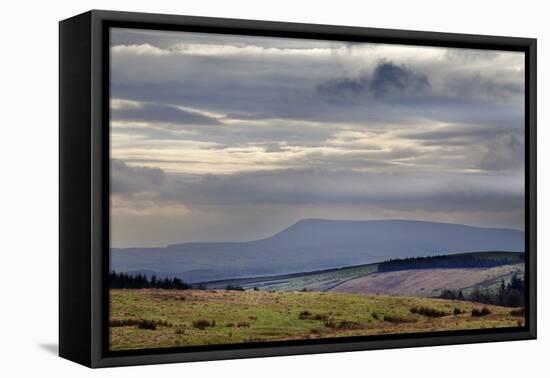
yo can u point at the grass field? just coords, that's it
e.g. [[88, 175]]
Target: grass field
[[155, 318]]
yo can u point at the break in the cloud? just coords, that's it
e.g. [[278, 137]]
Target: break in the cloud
[[219, 137]]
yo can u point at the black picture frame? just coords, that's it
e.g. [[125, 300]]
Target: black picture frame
[[84, 186]]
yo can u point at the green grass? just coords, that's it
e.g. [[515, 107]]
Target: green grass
[[250, 316]]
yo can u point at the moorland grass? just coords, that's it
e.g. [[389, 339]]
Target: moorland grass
[[242, 316]]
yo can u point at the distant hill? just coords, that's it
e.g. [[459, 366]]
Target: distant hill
[[314, 244]]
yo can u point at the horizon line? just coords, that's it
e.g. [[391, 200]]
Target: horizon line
[[324, 220]]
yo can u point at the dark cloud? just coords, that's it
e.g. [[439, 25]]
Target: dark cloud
[[390, 80], [161, 113], [387, 81], [128, 179], [345, 86]]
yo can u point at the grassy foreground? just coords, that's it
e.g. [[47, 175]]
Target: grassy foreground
[[155, 318]]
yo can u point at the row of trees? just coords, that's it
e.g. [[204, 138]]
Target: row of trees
[[510, 295], [447, 261], [140, 281]]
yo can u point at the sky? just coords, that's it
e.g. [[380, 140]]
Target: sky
[[233, 138]]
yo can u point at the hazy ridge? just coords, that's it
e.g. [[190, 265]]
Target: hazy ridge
[[314, 244]]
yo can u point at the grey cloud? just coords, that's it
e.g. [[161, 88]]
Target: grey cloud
[[358, 160], [345, 86], [238, 134], [489, 148], [166, 39], [128, 179], [476, 86], [505, 152], [387, 81], [161, 113], [272, 147], [321, 186], [412, 192], [459, 134], [282, 87], [479, 92], [264, 87], [154, 132], [466, 55]]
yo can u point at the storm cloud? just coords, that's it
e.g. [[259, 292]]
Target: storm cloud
[[387, 81]]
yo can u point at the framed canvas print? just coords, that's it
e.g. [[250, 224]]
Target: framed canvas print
[[233, 188]]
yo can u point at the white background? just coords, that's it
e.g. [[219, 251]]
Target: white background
[[29, 189]]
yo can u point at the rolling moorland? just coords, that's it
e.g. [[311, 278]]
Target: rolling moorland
[[424, 293], [156, 318], [424, 277]]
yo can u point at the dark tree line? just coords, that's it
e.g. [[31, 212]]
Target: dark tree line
[[235, 288], [513, 294], [510, 295], [140, 281], [447, 261]]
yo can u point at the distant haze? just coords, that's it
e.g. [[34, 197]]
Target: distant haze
[[314, 244], [232, 138]]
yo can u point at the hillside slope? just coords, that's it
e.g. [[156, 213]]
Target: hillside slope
[[429, 282]]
